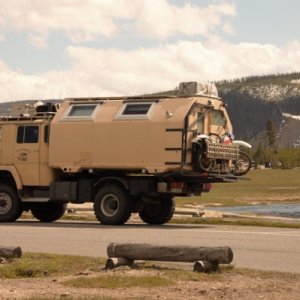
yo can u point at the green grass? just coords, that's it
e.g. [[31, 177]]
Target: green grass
[[263, 186], [43, 265], [119, 281], [259, 274], [153, 275], [237, 222], [170, 276]]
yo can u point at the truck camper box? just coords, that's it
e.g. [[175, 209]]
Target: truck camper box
[[149, 134]]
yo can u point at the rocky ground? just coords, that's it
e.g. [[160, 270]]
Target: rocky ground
[[228, 285]]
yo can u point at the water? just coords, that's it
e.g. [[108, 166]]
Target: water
[[281, 210]]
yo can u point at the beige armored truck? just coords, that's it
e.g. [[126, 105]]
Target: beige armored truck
[[124, 154]]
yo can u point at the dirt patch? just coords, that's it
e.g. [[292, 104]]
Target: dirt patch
[[232, 284]]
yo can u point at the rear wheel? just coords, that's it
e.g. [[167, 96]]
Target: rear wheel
[[242, 165], [159, 211], [10, 204], [48, 212], [112, 205]]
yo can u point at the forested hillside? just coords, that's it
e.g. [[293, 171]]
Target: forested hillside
[[253, 101]]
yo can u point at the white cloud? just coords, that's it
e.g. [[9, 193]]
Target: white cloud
[[87, 20], [229, 29], [160, 19], [98, 72]]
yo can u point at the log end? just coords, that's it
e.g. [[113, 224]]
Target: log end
[[17, 252], [205, 266], [115, 262]]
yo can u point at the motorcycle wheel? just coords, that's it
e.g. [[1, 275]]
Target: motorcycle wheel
[[242, 165]]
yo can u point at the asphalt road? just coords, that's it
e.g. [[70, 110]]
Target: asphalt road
[[253, 247]]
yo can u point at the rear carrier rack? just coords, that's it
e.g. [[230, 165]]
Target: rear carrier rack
[[222, 151]]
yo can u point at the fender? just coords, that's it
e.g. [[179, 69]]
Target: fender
[[122, 181], [200, 137], [242, 143], [15, 175]]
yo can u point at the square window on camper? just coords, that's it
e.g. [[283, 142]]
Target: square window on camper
[[80, 111], [135, 110]]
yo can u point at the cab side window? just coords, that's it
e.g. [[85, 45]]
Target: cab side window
[[27, 134], [46, 134]]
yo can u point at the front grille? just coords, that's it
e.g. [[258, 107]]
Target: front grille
[[222, 151]]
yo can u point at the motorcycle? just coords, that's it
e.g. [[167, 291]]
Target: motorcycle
[[214, 161]]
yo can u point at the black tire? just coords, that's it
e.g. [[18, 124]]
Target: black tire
[[158, 212], [202, 163], [112, 205], [10, 204], [48, 212], [242, 165]]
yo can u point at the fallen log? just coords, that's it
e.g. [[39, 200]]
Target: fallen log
[[10, 252], [217, 255]]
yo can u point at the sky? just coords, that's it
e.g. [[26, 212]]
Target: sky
[[53, 49]]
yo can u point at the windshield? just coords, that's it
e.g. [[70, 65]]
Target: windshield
[[217, 118]]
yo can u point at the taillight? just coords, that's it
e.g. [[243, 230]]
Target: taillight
[[176, 187], [206, 187]]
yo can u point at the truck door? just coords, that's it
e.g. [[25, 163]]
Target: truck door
[[26, 154]]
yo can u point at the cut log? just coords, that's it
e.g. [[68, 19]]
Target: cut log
[[10, 252], [217, 255], [115, 262], [205, 267]]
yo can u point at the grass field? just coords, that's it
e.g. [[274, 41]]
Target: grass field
[[258, 186], [47, 276]]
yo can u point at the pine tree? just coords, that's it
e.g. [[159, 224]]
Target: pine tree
[[260, 155], [271, 135]]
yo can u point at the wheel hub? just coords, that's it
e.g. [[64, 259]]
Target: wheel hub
[[109, 205], [5, 204]]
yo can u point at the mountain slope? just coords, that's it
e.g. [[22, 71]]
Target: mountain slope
[[255, 100]]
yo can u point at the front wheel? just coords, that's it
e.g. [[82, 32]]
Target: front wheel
[[10, 204], [242, 165], [159, 211], [112, 205], [48, 212]]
